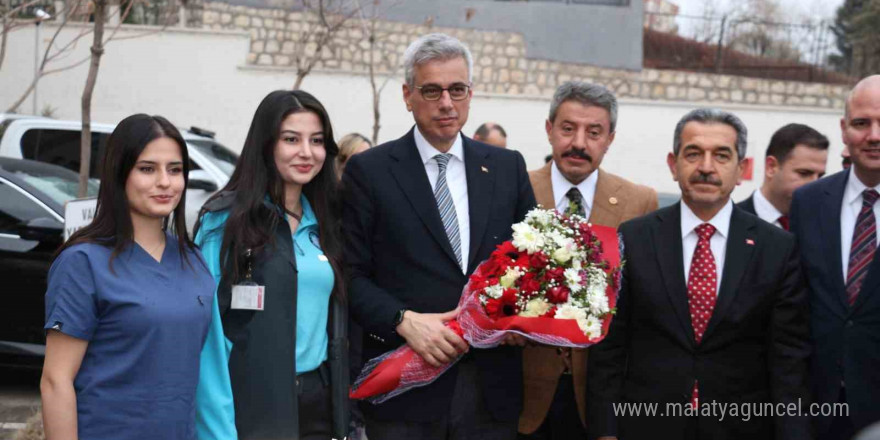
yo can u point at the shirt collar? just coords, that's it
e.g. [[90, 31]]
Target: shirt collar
[[308, 215], [428, 151], [854, 189], [561, 185], [764, 208], [721, 221]]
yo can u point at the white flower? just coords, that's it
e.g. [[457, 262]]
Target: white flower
[[494, 291], [526, 238], [561, 255], [573, 280], [591, 326], [534, 308], [568, 311], [559, 239], [577, 264], [513, 273], [596, 291], [541, 217]]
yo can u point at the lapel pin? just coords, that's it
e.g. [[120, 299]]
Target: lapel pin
[[612, 200], [750, 242], [484, 169]]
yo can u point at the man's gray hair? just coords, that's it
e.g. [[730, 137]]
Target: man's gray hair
[[434, 47], [709, 116], [586, 94]]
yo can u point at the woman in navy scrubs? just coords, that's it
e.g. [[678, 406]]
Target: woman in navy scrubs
[[274, 365], [128, 303]]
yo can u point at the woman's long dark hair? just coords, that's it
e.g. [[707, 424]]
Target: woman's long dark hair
[[251, 225], [112, 224]]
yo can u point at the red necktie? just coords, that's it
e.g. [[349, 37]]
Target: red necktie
[[783, 221], [702, 287], [864, 244]]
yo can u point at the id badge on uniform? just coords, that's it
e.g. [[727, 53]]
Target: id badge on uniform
[[248, 296]]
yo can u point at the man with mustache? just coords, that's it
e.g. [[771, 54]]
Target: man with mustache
[[420, 213], [580, 129], [712, 310], [835, 221], [795, 157]]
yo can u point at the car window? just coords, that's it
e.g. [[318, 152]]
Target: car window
[[16, 208], [217, 154], [61, 147]]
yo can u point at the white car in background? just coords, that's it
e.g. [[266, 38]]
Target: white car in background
[[58, 142]]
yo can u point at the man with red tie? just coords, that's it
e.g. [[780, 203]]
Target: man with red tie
[[835, 222], [712, 311], [796, 156]]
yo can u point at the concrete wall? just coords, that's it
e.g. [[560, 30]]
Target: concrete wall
[[202, 78], [607, 35], [504, 61]]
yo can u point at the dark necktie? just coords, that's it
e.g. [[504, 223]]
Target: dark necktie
[[864, 243], [702, 285], [575, 202], [783, 221]]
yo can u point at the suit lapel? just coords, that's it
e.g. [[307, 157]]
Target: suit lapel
[[829, 223], [736, 260], [480, 174], [668, 249], [409, 172], [542, 185], [603, 212]]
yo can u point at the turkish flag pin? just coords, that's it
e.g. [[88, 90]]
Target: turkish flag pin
[[484, 169], [750, 242]]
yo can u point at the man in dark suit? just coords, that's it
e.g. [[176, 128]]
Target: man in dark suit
[[795, 157], [421, 212], [712, 312], [834, 220]]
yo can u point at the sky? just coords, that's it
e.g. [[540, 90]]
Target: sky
[[795, 11], [816, 8]]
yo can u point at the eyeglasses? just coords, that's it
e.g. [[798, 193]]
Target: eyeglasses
[[433, 92]]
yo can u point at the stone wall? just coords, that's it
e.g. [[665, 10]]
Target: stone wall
[[501, 64]]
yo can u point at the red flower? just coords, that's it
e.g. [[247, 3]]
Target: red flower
[[507, 248], [550, 313], [555, 274], [493, 267], [539, 260], [494, 308], [557, 294], [478, 282], [528, 283], [504, 306]]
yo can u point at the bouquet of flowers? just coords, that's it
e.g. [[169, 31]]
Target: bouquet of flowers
[[555, 282]]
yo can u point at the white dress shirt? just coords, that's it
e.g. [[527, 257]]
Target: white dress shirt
[[849, 212], [561, 185], [456, 181], [765, 210], [718, 242]]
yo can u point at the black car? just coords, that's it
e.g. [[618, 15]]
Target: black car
[[32, 198]]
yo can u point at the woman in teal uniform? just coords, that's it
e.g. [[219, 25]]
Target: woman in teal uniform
[[128, 303], [274, 365]]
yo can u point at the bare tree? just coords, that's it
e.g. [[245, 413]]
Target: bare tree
[[55, 52], [9, 23], [320, 20], [85, 148]]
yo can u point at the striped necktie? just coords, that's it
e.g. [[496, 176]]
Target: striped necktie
[[446, 207], [864, 243]]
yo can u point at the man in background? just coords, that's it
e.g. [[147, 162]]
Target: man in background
[[492, 134], [796, 156]]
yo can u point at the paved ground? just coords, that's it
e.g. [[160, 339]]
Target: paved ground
[[19, 399]]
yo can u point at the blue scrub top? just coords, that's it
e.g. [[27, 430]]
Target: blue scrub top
[[146, 322]]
